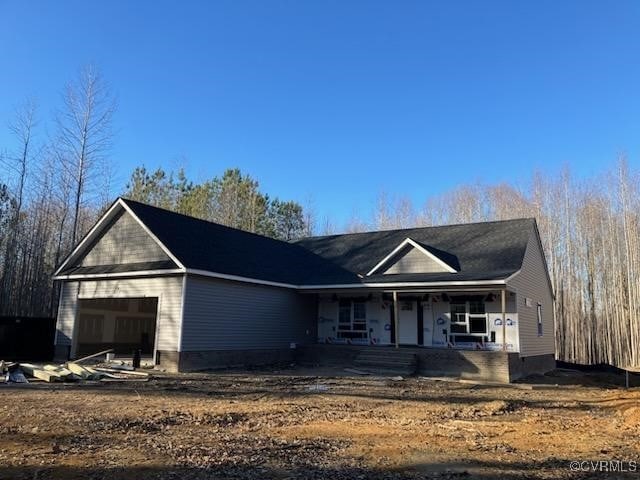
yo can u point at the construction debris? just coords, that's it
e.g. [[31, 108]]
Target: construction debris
[[113, 371], [95, 355]]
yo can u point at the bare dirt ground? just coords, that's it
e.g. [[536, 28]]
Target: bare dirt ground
[[292, 424]]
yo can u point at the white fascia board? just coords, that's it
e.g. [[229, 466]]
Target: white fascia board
[[468, 283], [90, 236], [404, 243], [150, 233], [138, 273], [237, 278]]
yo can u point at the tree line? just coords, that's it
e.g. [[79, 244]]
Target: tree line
[[56, 180], [590, 231], [54, 186]]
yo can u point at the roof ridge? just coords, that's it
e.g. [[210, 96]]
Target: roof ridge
[[397, 230], [191, 217]]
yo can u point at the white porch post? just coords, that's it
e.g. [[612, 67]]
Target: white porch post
[[395, 317], [503, 295]]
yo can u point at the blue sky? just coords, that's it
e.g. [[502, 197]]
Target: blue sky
[[338, 100]]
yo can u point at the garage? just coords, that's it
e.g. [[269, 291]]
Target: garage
[[123, 324]]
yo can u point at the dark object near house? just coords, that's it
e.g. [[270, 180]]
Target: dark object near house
[[27, 338]]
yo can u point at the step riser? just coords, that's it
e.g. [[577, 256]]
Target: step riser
[[389, 362], [376, 359], [397, 364], [388, 356]]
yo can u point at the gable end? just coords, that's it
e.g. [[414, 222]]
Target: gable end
[[123, 242], [411, 257]]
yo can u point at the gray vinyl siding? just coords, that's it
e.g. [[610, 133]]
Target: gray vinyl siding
[[125, 241], [168, 289], [225, 315], [532, 282], [66, 313], [412, 260]]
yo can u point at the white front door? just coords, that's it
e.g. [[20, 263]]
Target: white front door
[[408, 322]]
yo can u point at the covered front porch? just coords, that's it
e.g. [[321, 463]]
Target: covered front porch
[[469, 319]]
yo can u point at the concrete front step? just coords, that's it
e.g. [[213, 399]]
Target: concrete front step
[[376, 356], [387, 354], [387, 362]]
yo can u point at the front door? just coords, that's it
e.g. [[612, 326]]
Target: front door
[[408, 322]]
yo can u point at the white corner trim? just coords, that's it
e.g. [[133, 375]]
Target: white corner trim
[[404, 243], [88, 237], [150, 233], [137, 273], [183, 301]]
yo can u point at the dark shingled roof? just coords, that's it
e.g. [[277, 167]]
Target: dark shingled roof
[[479, 251], [203, 245]]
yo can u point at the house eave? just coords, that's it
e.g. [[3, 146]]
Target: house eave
[[302, 287], [137, 273]]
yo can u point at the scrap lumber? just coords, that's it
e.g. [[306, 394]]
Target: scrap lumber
[[45, 375], [94, 355], [120, 372], [136, 379], [123, 367], [37, 372], [79, 370]]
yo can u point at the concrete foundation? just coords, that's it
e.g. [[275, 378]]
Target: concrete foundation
[[204, 360], [468, 364], [521, 367]]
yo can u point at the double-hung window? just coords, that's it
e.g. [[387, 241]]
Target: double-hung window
[[352, 319], [477, 317], [540, 320], [468, 317], [458, 317]]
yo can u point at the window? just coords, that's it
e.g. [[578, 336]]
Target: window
[[344, 316], [458, 317], [359, 316], [539, 319], [476, 307], [468, 316], [352, 319], [478, 324]]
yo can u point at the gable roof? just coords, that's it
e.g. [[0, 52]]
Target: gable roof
[[423, 249], [477, 252]]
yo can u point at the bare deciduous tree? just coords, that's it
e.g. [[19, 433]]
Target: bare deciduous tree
[[84, 137]]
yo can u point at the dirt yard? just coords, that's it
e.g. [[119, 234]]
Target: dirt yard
[[290, 424]]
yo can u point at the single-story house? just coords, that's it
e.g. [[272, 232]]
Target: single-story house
[[473, 300]]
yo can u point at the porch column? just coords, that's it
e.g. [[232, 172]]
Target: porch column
[[503, 295], [395, 316]]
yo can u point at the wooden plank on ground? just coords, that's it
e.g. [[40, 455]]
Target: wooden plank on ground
[[45, 375], [78, 370], [120, 372], [94, 355]]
